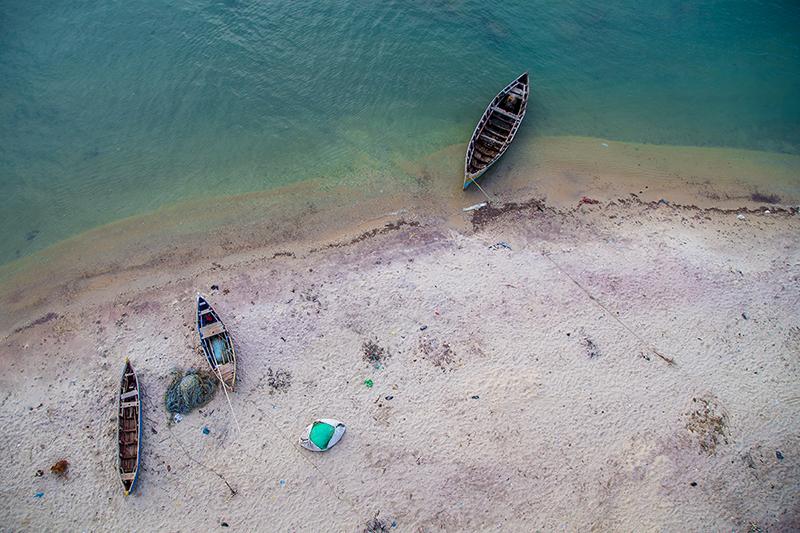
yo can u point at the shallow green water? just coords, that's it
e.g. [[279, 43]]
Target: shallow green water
[[109, 109]]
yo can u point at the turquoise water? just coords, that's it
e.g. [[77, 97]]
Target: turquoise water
[[111, 108]]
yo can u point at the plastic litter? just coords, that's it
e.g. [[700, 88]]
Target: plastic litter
[[282, 483], [740, 216], [322, 435], [178, 417], [206, 431], [368, 383], [474, 207], [60, 467], [39, 495], [499, 245], [604, 145]]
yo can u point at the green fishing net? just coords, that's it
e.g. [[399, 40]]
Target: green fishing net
[[189, 391]]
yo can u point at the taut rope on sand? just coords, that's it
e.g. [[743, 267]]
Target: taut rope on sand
[[649, 345]]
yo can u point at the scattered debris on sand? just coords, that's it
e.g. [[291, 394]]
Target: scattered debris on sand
[[489, 213], [591, 348], [278, 380], [440, 354], [587, 200], [708, 423], [374, 354], [376, 525]]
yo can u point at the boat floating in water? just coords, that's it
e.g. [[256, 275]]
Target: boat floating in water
[[129, 429], [496, 129], [217, 343]]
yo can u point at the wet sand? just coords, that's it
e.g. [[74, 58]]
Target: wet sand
[[626, 364]]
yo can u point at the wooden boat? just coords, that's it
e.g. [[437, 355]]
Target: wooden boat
[[129, 429], [496, 129], [217, 343]]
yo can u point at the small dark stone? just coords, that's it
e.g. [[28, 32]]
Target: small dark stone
[[744, 315], [423, 328], [779, 455], [215, 287], [154, 431], [693, 483], [39, 473], [389, 397], [224, 524], [476, 397]]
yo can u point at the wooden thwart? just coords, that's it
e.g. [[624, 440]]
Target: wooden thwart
[[212, 329]]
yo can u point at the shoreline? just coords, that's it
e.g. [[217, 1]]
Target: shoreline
[[555, 170]]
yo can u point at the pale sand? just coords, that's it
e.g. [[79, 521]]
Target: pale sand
[[580, 421]]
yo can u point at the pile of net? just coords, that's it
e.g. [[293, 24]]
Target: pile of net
[[190, 390]]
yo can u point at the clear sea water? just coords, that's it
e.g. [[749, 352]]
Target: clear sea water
[[112, 108]]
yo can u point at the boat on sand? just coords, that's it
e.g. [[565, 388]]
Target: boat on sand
[[217, 343], [129, 428]]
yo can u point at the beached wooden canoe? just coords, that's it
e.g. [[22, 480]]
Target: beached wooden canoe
[[129, 428], [217, 343], [496, 129]]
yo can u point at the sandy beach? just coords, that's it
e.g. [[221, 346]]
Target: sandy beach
[[626, 362]]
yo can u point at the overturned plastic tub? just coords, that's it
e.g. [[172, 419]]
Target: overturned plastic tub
[[322, 435]]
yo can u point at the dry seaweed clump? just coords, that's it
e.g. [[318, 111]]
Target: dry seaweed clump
[[189, 391], [374, 354], [707, 422], [489, 213], [278, 380], [440, 354], [376, 525]]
